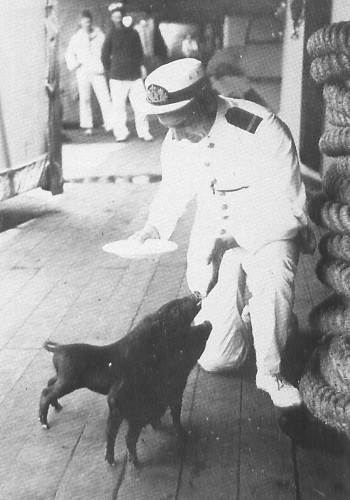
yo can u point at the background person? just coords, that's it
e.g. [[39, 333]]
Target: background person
[[189, 47], [241, 163], [84, 56], [122, 57]]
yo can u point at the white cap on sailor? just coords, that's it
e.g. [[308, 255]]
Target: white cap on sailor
[[173, 85], [116, 6]]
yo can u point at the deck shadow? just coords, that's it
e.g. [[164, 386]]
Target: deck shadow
[[307, 432], [13, 216]]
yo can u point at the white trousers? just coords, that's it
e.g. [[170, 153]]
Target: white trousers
[[265, 282], [120, 91], [86, 82]]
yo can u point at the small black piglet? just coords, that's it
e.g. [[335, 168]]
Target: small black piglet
[[142, 400]]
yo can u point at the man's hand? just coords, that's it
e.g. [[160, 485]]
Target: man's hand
[[215, 257], [148, 232], [143, 72]]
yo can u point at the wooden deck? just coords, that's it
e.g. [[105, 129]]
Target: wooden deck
[[57, 283]]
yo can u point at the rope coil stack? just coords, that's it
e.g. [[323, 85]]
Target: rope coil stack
[[325, 383]]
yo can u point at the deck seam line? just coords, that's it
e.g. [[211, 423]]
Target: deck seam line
[[69, 460], [238, 476], [120, 478], [35, 354], [49, 291], [296, 471], [182, 462]]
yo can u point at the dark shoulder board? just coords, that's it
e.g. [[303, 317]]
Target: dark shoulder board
[[243, 119]]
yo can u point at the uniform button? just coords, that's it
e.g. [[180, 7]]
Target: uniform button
[[211, 145], [207, 164], [224, 206], [223, 231], [225, 217]]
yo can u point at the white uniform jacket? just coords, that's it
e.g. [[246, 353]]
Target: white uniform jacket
[[84, 51], [248, 183]]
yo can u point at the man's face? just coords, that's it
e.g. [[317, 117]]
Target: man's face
[[86, 23], [189, 123], [117, 18]]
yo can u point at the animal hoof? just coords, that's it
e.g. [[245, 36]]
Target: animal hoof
[[45, 426], [58, 407], [134, 460], [110, 459]]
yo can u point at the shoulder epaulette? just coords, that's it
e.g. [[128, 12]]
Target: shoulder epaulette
[[243, 119]]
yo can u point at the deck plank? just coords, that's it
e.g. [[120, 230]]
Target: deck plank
[[210, 467], [266, 465], [45, 455], [323, 475], [88, 475], [13, 363], [76, 295], [31, 453], [26, 236], [158, 452]]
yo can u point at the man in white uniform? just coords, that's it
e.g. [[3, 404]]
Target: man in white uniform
[[240, 161], [83, 56]]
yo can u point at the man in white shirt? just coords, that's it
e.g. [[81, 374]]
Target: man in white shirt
[[83, 56], [240, 162]]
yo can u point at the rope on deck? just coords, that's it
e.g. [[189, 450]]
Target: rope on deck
[[325, 383]]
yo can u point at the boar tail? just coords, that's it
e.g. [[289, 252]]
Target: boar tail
[[50, 346]]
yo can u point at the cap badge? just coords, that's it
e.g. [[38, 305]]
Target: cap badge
[[157, 95], [115, 6]]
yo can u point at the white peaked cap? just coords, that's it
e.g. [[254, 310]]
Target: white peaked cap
[[173, 85]]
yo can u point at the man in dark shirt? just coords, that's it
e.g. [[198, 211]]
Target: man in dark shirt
[[122, 57]]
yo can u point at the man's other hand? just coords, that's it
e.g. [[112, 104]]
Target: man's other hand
[[221, 245], [143, 72], [148, 232]]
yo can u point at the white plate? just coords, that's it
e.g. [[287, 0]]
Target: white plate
[[131, 249]]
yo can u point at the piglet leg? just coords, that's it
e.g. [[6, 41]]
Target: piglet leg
[[54, 403], [132, 436], [114, 421], [175, 410], [50, 395]]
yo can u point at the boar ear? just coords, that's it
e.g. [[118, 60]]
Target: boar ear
[[206, 325]]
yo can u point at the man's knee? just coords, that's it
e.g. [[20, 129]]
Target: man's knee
[[218, 361], [217, 365]]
